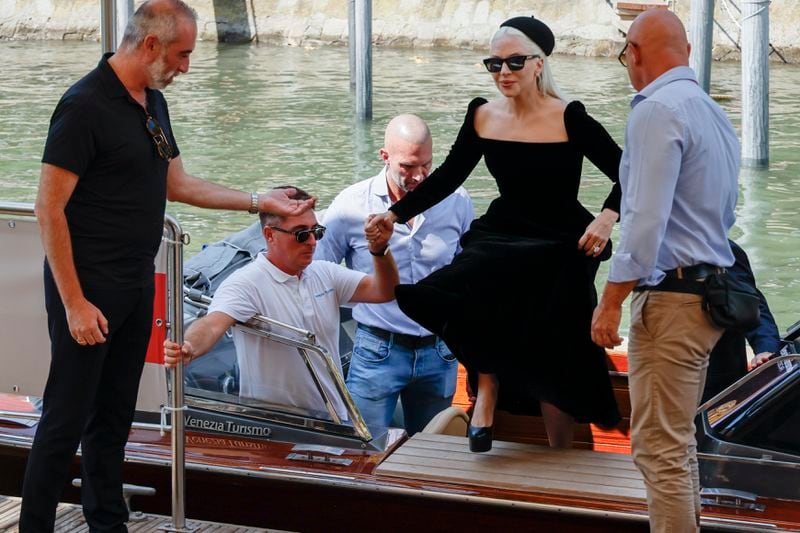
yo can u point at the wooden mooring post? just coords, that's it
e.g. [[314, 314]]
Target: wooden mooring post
[[755, 83], [124, 14], [362, 13], [701, 33], [114, 16], [351, 42], [108, 25]]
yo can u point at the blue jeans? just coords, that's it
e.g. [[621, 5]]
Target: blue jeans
[[382, 371]]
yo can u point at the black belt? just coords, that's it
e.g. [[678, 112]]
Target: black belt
[[694, 272], [684, 279], [401, 339]]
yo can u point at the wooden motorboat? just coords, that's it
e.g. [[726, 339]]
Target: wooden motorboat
[[429, 482], [257, 463]]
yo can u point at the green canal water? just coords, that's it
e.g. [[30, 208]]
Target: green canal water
[[255, 116]]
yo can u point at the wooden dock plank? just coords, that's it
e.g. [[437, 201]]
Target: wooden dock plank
[[519, 467], [69, 519]]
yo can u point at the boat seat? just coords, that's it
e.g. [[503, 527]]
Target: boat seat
[[451, 421]]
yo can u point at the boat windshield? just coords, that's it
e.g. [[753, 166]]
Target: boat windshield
[[762, 410], [267, 371]]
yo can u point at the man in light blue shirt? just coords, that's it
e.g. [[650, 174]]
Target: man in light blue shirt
[[393, 356], [679, 175]]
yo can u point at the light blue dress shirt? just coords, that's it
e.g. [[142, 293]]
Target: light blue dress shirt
[[427, 246], [679, 174]]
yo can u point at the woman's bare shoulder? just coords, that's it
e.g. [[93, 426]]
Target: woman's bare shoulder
[[487, 113]]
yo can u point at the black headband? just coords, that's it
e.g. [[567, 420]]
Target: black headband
[[536, 30]]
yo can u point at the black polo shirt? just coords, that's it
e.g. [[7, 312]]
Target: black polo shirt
[[116, 213]]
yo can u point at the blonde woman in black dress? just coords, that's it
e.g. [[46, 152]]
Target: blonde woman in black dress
[[515, 306]]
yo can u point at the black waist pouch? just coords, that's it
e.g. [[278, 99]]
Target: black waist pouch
[[731, 304]]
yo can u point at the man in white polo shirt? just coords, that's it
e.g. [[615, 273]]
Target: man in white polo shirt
[[286, 285]]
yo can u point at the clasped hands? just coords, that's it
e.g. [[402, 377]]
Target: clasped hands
[[378, 230]]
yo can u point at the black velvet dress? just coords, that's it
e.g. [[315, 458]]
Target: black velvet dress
[[518, 301]]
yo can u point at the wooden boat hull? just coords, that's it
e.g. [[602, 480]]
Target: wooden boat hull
[[298, 499], [251, 482]]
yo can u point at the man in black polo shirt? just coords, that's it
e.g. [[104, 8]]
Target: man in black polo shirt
[[109, 164]]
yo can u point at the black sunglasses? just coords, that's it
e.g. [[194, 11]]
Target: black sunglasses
[[495, 64], [302, 235], [155, 131]]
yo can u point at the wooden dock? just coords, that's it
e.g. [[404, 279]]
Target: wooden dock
[[69, 519]]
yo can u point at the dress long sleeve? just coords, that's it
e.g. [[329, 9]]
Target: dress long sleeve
[[457, 166], [597, 145]]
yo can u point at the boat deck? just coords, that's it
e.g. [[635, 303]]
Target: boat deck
[[69, 519], [518, 467]]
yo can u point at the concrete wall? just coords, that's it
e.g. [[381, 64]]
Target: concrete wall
[[583, 27]]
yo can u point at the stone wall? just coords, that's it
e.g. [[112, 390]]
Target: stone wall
[[583, 27]]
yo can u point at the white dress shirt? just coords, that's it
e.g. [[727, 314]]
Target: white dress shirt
[[426, 246]]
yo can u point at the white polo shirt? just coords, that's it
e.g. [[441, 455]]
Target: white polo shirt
[[275, 372]]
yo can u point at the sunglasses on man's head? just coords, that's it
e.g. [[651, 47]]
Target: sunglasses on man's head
[[495, 64], [302, 235], [162, 144]]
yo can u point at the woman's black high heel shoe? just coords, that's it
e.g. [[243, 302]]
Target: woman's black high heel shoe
[[480, 439]]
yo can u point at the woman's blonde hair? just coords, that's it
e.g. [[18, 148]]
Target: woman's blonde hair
[[545, 82]]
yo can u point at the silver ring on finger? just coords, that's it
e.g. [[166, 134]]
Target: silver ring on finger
[[596, 249]]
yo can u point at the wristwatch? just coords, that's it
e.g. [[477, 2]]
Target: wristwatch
[[382, 253], [253, 203]]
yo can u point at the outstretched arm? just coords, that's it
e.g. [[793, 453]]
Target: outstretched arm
[[183, 187], [764, 339], [199, 339]]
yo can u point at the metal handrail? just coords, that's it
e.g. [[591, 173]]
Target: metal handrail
[[303, 348], [204, 301], [174, 238], [16, 208]]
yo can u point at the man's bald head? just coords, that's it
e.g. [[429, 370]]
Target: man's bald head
[[408, 128], [657, 41], [662, 31], [408, 153]]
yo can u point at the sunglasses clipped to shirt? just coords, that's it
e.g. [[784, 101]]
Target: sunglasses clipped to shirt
[[302, 235], [495, 64], [155, 131]]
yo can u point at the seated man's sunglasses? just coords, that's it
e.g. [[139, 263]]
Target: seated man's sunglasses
[[495, 64], [302, 235]]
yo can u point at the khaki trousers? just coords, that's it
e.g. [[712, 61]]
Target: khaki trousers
[[670, 340]]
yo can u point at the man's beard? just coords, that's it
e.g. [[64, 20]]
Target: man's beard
[[397, 180], [159, 77]]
